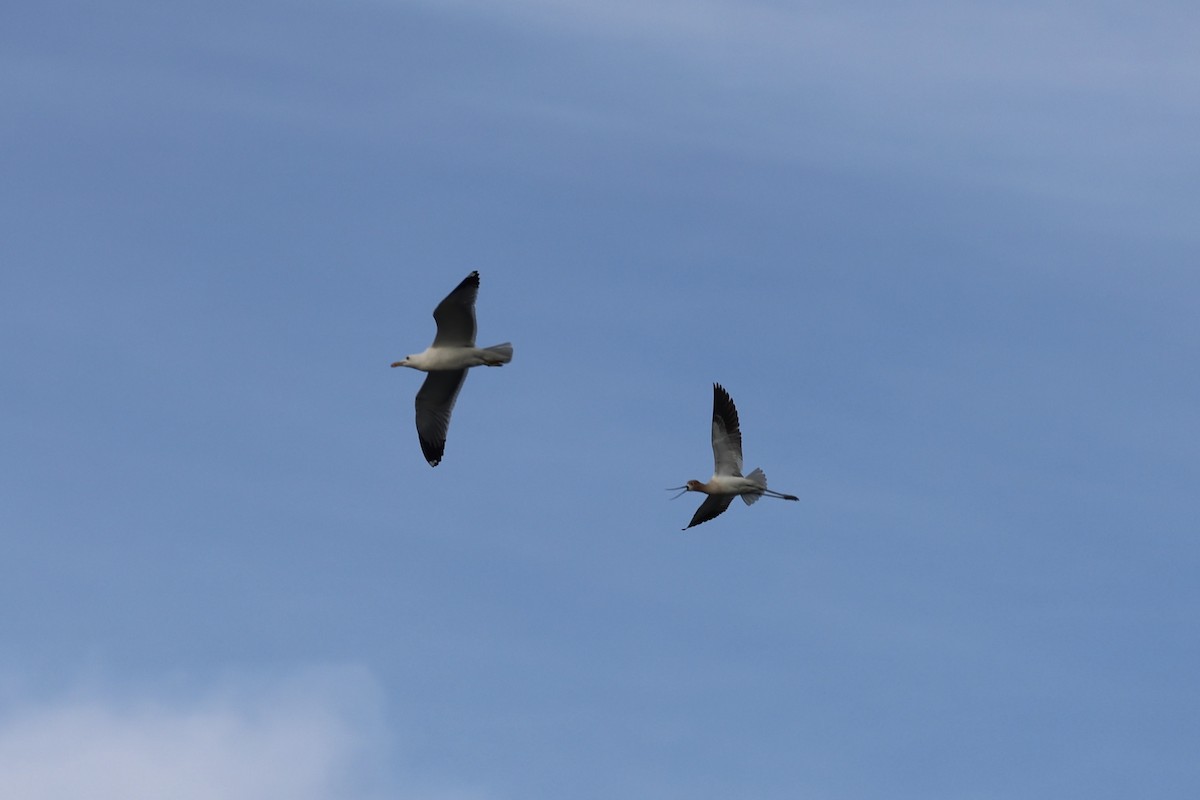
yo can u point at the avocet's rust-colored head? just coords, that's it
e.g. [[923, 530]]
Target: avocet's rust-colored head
[[690, 486]]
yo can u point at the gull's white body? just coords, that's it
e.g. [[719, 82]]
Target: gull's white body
[[727, 481], [447, 360], [436, 359]]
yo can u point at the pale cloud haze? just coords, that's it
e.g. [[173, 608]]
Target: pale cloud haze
[[317, 734]]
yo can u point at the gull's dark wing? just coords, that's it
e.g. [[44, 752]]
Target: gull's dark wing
[[455, 316], [435, 402]]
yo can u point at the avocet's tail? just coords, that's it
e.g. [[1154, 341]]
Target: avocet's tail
[[760, 477]]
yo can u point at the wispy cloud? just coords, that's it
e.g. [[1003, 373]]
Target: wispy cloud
[[1088, 45], [1048, 99], [318, 735]]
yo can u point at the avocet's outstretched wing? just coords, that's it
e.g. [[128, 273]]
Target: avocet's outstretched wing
[[726, 436], [712, 506]]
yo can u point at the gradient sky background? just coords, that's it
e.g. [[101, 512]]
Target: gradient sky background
[[943, 255]]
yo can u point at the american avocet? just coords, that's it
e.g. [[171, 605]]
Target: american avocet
[[447, 360], [727, 481]]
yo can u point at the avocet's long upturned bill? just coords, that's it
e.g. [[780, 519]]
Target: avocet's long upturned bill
[[447, 360], [727, 481]]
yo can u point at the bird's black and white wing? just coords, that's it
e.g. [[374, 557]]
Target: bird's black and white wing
[[713, 506], [726, 435], [455, 316], [435, 402]]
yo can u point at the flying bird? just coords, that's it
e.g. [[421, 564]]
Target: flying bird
[[727, 481], [446, 361]]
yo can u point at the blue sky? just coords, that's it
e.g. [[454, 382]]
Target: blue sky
[[942, 255]]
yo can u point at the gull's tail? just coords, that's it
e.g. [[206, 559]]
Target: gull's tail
[[502, 353]]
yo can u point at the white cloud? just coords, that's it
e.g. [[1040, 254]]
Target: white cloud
[[318, 735]]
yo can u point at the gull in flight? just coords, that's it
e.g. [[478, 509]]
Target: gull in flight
[[447, 360], [727, 481]]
